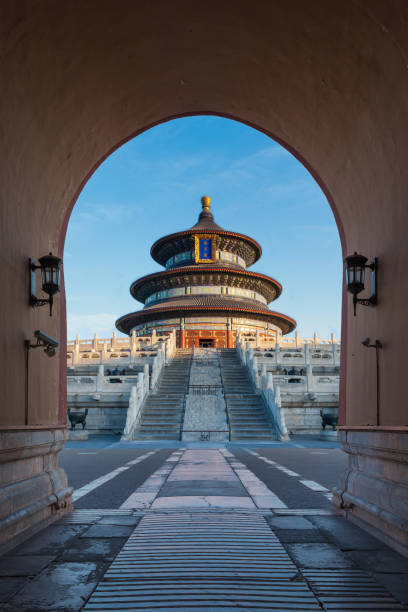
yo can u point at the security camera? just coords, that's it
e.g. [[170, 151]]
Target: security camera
[[49, 344], [44, 339], [377, 343], [50, 351]]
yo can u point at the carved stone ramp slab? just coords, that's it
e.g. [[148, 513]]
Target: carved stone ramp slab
[[208, 560], [351, 590]]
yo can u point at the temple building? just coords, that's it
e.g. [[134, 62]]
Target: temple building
[[206, 293]]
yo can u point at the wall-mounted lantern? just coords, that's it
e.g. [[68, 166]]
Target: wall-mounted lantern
[[355, 277], [50, 267]]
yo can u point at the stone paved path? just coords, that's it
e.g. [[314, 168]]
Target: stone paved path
[[207, 529]]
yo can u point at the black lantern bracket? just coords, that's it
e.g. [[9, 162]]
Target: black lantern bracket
[[355, 266], [50, 267]]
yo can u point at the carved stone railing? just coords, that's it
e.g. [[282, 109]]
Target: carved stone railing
[[263, 384], [165, 352], [117, 350], [137, 399]]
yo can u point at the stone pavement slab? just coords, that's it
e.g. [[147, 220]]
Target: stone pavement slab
[[318, 555], [203, 487], [299, 536], [9, 586], [27, 565], [65, 586], [383, 561], [49, 540], [108, 531], [89, 549], [344, 534], [290, 522], [202, 501]]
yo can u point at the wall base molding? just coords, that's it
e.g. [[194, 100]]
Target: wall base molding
[[34, 490], [373, 491]]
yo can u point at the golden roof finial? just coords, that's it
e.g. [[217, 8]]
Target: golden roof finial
[[206, 202]]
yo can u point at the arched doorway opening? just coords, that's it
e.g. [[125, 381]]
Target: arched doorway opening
[[259, 189]]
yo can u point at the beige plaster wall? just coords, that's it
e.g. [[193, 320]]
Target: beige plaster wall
[[328, 78]]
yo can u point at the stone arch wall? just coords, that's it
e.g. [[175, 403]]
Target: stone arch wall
[[327, 78]]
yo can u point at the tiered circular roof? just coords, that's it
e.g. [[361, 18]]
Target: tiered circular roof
[[180, 242], [216, 272], [205, 274]]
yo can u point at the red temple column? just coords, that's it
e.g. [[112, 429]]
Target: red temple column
[[230, 339], [182, 338]]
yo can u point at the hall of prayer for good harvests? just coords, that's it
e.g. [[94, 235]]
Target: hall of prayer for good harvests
[[206, 292]]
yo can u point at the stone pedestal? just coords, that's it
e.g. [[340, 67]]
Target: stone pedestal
[[77, 434], [33, 489], [373, 491]]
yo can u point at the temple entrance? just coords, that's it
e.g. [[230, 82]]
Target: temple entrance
[[206, 342]]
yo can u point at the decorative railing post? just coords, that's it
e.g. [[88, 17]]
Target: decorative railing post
[[76, 354], [137, 398], [277, 354], [273, 404], [146, 378], [100, 378], [133, 347], [309, 378]]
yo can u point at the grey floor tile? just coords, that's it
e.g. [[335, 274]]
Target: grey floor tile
[[28, 565], [108, 531], [9, 586], [202, 487], [382, 561], [50, 540], [318, 555], [346, 535], [89, 549], [63, 586], [290, 522], [299, 536]]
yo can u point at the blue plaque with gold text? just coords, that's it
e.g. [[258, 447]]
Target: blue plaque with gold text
[[205, 248]]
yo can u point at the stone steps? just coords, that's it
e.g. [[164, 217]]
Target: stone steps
[[246, 412], [163, 412]]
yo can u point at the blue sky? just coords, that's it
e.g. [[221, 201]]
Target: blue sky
[[152, 186]]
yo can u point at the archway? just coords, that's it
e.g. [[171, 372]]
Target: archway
[[324, 83], [149, 188]]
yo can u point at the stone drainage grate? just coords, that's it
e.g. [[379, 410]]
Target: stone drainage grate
[[203, 560], [340, 590]]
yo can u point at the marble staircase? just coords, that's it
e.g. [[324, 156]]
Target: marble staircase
[[163, 412], [247, 415]]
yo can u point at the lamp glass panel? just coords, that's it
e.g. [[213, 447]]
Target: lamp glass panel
[[50, 274], [355, 273]]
